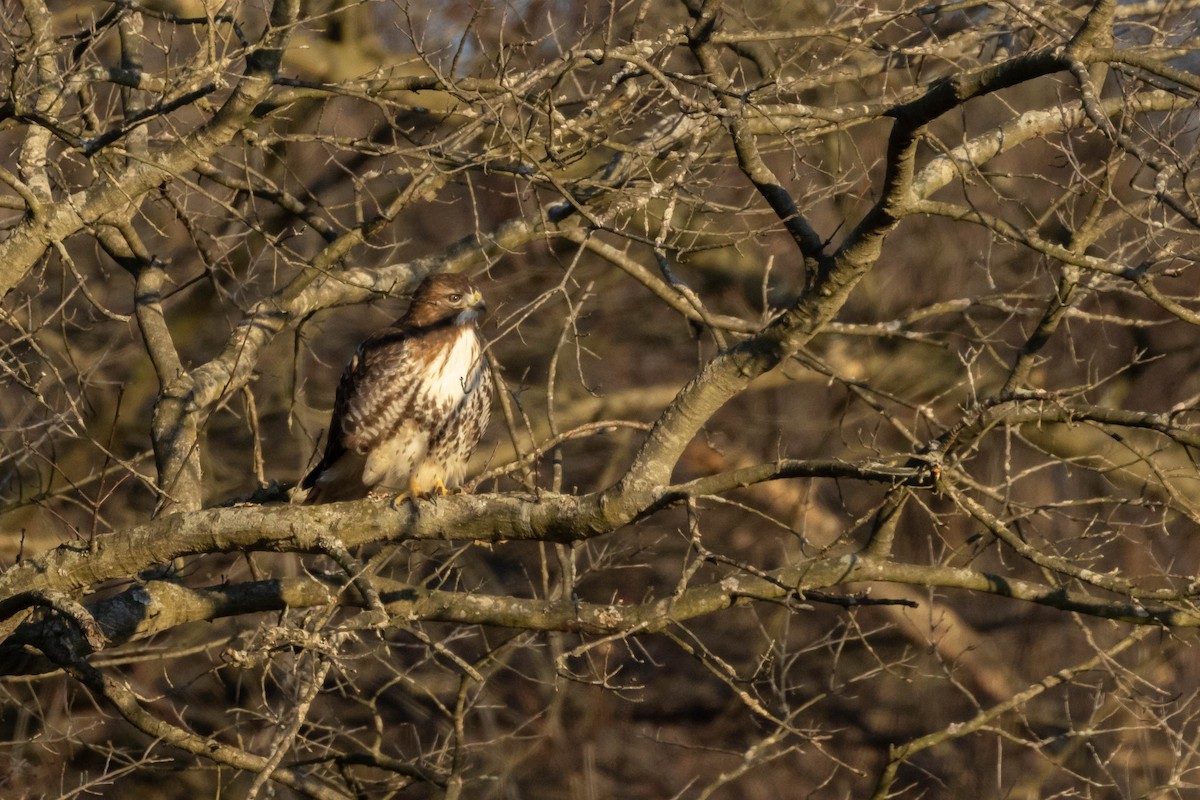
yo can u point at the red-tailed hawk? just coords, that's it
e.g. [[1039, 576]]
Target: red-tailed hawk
[[412, 403]]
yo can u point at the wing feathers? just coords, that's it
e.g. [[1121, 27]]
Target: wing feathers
[[410, 408]]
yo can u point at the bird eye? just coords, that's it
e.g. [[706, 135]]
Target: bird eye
[[456, 297]]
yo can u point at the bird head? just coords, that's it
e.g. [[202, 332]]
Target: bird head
[[445, 297], [471, 303]]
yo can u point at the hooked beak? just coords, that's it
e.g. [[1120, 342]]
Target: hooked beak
[[473, 309]]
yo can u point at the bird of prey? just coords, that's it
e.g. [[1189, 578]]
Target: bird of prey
[[412, 403]]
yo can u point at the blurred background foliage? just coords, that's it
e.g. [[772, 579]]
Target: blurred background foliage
[[576, 158]]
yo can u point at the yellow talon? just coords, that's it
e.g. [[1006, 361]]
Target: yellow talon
[[437, 490]]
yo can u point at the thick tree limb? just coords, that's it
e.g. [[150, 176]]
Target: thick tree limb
[[26, 244]]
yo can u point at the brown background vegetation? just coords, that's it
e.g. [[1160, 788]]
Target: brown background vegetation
[[847, 446]]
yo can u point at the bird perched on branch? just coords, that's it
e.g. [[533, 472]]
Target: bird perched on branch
[[411, 404]]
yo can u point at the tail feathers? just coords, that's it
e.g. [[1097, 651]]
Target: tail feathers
[[333, 482]]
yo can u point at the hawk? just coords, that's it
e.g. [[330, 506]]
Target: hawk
[[411, 404]]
